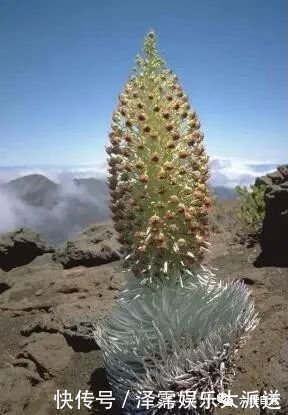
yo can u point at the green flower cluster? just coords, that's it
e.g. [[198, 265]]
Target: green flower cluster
[[158, 171]]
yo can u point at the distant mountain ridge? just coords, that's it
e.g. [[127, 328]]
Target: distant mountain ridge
[[34, 189], [38, 190], [59, 210], [56, 210]]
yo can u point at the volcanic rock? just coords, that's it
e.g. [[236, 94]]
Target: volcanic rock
[[20, 247], [97, 245], [275, 224]]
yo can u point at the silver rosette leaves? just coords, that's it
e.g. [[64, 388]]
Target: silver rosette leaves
[[174, 336]]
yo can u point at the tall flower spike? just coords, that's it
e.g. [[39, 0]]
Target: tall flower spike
[[180, 332], [164, 166]]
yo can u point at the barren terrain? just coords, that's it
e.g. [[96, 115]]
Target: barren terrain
[[48, 310]]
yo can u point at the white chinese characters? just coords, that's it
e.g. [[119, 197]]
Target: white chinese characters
[[169, 399]]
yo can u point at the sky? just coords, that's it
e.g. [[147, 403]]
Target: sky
[[64, 62]]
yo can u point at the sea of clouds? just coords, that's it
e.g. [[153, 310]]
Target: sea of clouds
[[230, 172], [56, 224], [57, 174], [14, 213], [227, 172]]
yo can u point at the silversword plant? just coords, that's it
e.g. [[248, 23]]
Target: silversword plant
[[174, 327]]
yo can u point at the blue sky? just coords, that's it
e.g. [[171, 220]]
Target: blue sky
[[64, 62]]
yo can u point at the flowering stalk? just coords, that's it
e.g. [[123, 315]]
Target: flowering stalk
[[158, 170], [182, 330]]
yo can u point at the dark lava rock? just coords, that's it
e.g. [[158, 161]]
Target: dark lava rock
[[275, 225], [20, 247], [284, 171], [97, 245]]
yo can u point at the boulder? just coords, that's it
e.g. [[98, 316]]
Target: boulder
[[97, 245], [20, 247], [284, 171], [275, 225], [49, 351]]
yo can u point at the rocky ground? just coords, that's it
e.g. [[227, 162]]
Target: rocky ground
[[50, 302], [263, 361]]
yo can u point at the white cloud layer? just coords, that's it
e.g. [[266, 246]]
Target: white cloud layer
[[70, 209], [55, 173], [60, 221], [230, 172], [227, 172]]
